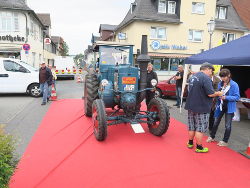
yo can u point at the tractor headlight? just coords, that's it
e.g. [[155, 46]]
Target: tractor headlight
[[154, 82], [104, 82]]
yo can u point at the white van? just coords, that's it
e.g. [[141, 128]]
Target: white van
[[18, 77]]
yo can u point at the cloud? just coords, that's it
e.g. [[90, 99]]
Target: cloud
[[76, 20]]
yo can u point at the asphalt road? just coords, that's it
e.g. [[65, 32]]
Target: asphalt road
[[20, 115]]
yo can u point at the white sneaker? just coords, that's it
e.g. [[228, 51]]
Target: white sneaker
[[210, 139], [222, 143]]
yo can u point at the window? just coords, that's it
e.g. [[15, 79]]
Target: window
[[32, 27], [9, 21], [113, 56], [162, 8], [174, 63], [16, 22], [6, 18], [171, 7], [195, 35], [198, 8], [166, 64], [221, 12], [12, 66], [132, 7], [160, 64], [35, 32], [41, 34], [158, 33], [227, 37]]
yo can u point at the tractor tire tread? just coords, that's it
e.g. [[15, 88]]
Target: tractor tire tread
[[163, 116], [101, 134], [90, 92]]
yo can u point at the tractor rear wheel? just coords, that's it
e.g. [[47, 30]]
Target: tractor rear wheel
[[99, 120], [161, 124], [90, 92]]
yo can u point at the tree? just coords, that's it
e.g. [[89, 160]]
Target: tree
[[79, 58], [65, 49]]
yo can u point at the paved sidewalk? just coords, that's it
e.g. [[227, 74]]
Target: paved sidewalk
[[240, 135]]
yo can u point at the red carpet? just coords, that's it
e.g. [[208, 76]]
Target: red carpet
[[64, 154]]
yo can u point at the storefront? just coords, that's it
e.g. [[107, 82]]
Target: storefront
[[11, 45]]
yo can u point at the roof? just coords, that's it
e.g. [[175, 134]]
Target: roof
[[107, 27], [146, 10], [243, 9], [45, 18], [18, 5], [109, 43], [233, 21], [14, 4], [56, 39]]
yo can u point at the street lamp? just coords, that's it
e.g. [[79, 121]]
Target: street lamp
[[211, 27]]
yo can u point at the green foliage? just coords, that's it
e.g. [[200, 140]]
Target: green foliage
[[78, 59], [65, 49], [7, 159]]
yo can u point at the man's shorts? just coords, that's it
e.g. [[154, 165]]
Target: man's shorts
[[198, 121]]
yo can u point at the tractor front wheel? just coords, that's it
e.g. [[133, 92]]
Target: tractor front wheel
[[90, 92], [99, 120], [161, 123]]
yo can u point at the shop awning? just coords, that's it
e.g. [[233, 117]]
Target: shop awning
[[10, 50], [169, 55], [235, 52]]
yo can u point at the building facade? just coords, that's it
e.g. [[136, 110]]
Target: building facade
[[177, 29], [20, 25], [58, 41], [50, 49], [107, 32]]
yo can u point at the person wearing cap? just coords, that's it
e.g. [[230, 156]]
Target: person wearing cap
[[198, 104], [226, 105], [45, 80]]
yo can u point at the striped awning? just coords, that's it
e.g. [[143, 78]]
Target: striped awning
[[169, 55]]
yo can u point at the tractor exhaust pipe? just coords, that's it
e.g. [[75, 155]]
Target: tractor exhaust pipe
[[143, 60]]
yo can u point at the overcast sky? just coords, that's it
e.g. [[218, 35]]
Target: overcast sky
[[76, 20]]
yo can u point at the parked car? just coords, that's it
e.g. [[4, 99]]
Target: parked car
[[167, 88], [18, 77]]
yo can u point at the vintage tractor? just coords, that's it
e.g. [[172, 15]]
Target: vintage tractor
[[117, 84]]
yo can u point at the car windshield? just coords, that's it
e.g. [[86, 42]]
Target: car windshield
[[114, 55], [28, 66]]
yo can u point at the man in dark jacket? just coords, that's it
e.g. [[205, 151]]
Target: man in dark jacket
[[150, 76], [45, 80], [179, 80], [198, 104]]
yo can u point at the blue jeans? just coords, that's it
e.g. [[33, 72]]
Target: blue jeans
[[44, 89], [228, 125], [178, 96]]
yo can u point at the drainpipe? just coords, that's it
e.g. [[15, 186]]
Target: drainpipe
[[26, 18]]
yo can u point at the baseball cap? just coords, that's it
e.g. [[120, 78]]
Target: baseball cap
[[207, 65], [42, 63]]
